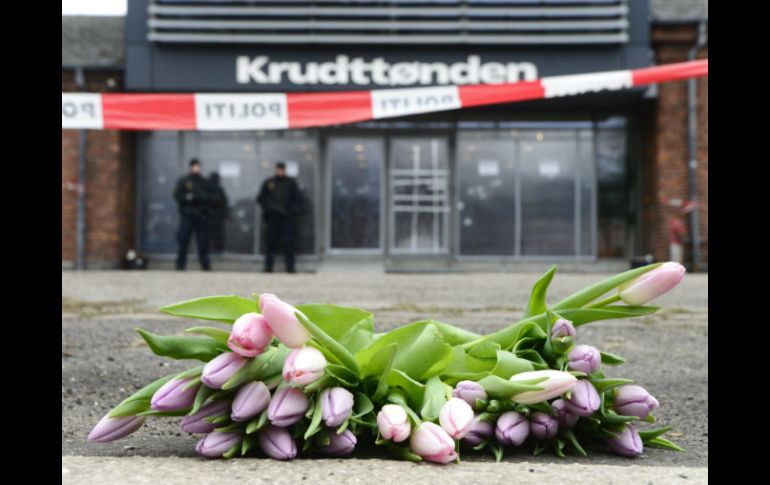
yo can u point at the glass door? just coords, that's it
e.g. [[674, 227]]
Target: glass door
[[419, 195], [355, 166]]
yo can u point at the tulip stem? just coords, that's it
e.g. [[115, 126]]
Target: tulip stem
[[605, 302]]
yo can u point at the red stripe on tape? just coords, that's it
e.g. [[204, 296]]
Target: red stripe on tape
[[670, 72], [481, 94], [322, 109], [129, 111]]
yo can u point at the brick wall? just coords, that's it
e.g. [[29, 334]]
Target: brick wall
[[109, 186], [665, 172]]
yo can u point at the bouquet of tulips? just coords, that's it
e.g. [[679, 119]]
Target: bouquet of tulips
[[317, 378]]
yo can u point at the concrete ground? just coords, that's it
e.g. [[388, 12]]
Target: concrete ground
[[104, 360]]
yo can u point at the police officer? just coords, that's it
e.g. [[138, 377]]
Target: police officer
[[279, 198], [192, 195]]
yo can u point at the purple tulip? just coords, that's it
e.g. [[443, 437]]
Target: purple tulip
[[197, 423], [276, 443], [284, 324], [340, 444], [174, 395], [627, 443], [111, 429], [566, 417], [431, 442], [652, 284], [287, 406], [250, 400], [512, 428], [584, 358], [216, 444], [469, 392], [562, 328], [480, 431], [584, 400], [250, 335], [221, 368], [337, 404], [634, 401], [543, 425]]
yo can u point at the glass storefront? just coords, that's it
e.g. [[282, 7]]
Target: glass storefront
[[513, 190]]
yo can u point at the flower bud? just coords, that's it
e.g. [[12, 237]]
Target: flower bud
[[221, 368], [111, 429], [480, 431], [584, 358], [284, 324], [556, 384], [303, 366], [340, 444], [543, 425], [456, 417], [584, 399], [277, 443], [250, 335], [651, 284], [393, 423], [627, 443], [512, 428], [633, 400], [432, 443], [469, 392], [216, 443], [336, 404], [566, 417], [287, 406], [173, 396], [251, 399], [197, 423], [562, 328]]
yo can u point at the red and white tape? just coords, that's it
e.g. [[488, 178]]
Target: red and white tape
[[274, 111]]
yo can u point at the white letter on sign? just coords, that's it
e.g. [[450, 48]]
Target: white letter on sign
[[241, 111], [81, 111], [387, 103]]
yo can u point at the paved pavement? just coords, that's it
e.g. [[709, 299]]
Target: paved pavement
[[104, 360]]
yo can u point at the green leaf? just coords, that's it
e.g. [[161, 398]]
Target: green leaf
[[380, 366], [396, 396], [649, 434], [540, 446], [232, 451], [434, 399], [602, 385], [351, 327], [402, 452], [220, 308], [536, 303], [587, 295], [413, 390], [421, 350], [499, 388], [200, 397], [661, 442], [315, 421], [581, 316], [454, 335], [257, 423], [248, 443], [497, 450], [347, 377], [558, 447], [218, 334], [256, 369], [611, 359], [331, 345], [614, 418], [362, 406], [570, 435], [183, 347]]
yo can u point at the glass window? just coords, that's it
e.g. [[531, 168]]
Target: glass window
[[356, 166], [486, 200], [614, 203], [160, 166]]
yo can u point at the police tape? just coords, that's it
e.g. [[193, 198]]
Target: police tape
[[275, 111]]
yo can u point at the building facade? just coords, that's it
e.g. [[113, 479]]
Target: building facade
[[589, 180]]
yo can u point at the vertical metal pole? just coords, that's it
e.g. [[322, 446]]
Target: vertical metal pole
[[80, 223], [693, 149]]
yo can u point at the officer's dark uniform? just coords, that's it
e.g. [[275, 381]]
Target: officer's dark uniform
[[279, 198], [192, 196]]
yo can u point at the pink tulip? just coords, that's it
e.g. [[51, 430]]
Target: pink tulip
[[456, 417], [555, 384], [250, 335], [303, 366], [393, 423], [652, 284], [431, 442], [221, 368], [284, 324]]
